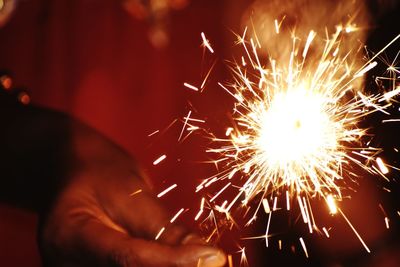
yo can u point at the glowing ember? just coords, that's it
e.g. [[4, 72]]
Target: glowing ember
[[164, 192], [158, 160], [331, 204]]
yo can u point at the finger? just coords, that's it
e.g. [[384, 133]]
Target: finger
[[113, 247], [140, 212], [193, 239], [144, 214]]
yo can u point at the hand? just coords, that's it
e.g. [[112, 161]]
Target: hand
[[97, 221]]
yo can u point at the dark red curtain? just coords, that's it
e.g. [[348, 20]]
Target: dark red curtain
[[91, 59]]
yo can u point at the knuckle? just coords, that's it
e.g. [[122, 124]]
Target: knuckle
[[124, 258]]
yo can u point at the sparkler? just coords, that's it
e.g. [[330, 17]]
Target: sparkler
[[297, 130], [297, 135]]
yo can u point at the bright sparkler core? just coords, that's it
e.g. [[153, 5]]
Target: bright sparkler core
[[294, 129], [296, 133]]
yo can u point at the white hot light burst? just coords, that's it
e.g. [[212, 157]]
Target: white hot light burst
[[298, 133], [297, 130]]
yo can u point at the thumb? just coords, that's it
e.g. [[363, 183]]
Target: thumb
[[200, 256], [106, 245]]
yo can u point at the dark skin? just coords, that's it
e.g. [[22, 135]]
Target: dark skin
[[81, 184]]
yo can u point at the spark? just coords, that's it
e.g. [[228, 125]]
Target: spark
[[184, 125], [220, 192], [310, 38], [243, 258], [136, 192], [195, 120], [302, 209], [158, 160], [382, 166], [207, 75], [198, 215], [304, 246], [385, 47], [287, 200], [206, 43], [228, 131], [387, 222], [267, 209], [201, 209], [267, 230], [389, 95], [296, 129], [188, 85], [351, 28], [326, 232], [153, 133], [308, 216], [159, 233], [355, 231], [276, 26], [243, 62], [391, 120], [167, 190], [274, 208], [192, 128], [366, 69], [331, 204], [177, 215], [213, 180]]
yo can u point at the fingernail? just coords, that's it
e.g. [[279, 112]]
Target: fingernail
[[214, 260]]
